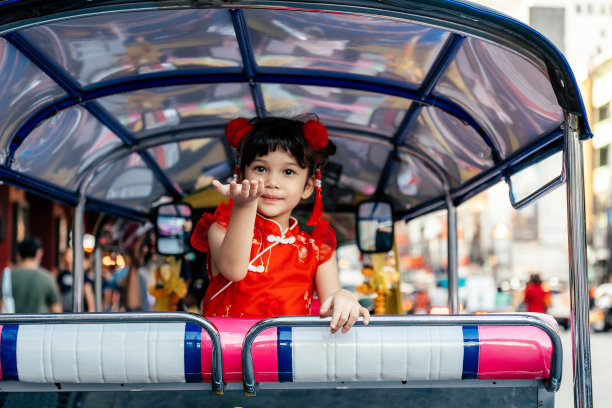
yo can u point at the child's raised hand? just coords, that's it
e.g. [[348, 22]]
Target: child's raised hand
[[241, 193], [344, 309]]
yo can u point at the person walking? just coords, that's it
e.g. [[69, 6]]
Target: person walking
[[33, 287], [536, 298]]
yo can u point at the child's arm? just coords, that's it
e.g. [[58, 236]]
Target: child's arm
[[230, 249], [341, 304]]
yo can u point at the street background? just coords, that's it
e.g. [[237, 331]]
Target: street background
[[601, 368]]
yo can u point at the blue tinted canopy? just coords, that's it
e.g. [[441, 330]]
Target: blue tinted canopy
[[126, 102]]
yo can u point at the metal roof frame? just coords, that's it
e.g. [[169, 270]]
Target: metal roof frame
[[449, 14]]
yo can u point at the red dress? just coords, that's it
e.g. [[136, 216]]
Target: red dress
[[280, 280]]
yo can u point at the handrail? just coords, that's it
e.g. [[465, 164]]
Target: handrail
[[218, 386], [552, 384]]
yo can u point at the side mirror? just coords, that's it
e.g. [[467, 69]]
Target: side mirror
[[374, 226], [173, 227]]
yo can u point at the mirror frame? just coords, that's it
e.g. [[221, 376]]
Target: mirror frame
[[157, 236], [377, 249]]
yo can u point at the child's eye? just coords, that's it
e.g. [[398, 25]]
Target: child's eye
[[259, 169], [289, 172]]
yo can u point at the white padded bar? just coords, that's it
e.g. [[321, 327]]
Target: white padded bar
[[407, 353], [101, 353]]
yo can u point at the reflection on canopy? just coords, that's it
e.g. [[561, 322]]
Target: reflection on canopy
[[419, 107]]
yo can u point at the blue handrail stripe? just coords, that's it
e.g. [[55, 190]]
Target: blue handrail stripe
[[8, 352], [470, 352], [193, 356], [285, 354]]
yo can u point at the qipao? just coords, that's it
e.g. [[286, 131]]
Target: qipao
[[280, 279]]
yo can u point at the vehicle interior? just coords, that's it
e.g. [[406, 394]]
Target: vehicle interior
[[119, 107]]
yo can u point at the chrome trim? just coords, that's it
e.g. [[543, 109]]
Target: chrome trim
[[583, 389], [97, 266], [218, 387], [552, 384], [452, 259], [78, 278]]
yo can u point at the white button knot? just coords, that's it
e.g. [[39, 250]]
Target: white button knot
[[259, 268], [281, 240]]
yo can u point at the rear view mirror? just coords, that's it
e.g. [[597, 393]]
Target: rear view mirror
[[173, 229], [531, 182], [374, 226]]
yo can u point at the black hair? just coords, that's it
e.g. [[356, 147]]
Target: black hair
[[272, 133], [535, 278], [28, 247]]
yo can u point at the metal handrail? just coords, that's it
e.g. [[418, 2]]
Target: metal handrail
[[552, 384], [218, 385]]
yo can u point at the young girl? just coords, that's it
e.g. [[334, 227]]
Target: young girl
[[259, 262]]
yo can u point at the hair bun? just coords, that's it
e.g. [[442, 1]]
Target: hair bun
[[236, 129], [315, 134]]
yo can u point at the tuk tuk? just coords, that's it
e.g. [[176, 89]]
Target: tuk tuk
[[119, 107]]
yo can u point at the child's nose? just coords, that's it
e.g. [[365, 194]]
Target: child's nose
[[271, 180]]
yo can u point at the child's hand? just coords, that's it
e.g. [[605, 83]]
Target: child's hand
[[242, 193], [344, 309]]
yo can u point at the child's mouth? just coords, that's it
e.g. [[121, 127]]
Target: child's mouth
[[270, 198]]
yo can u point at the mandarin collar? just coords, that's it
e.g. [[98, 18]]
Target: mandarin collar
[[269, 226]]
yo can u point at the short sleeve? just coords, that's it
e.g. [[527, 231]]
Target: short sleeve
[[53, 296], [199, 238], [325, 237]]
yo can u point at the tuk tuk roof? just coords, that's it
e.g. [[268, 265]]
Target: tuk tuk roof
[[128, 100]]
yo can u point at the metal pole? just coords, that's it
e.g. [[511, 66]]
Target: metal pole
[[583, 393], [451, 269], [98, 278], [77, 255]]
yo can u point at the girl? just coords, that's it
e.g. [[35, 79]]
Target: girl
[[260, 263]]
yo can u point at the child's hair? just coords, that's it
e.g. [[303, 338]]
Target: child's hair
[[272, 133]]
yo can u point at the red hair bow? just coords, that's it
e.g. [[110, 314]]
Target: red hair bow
[[236, 129], [315, 134]]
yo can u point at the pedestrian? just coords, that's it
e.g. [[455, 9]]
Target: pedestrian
[[64, 281], [33, 287], [536, 298], [132, 280], [503, 300]]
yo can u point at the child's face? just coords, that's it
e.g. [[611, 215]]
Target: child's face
[[285, 184]]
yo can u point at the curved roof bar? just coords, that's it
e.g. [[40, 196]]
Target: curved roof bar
[[458, 17], [167, 137], [73, 89], [553, 140], [38, 187], [293, 76], [120, 152], [472, 19], [438, 68], [430, 163], [248, 60], [480, 22], [364, 83]]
